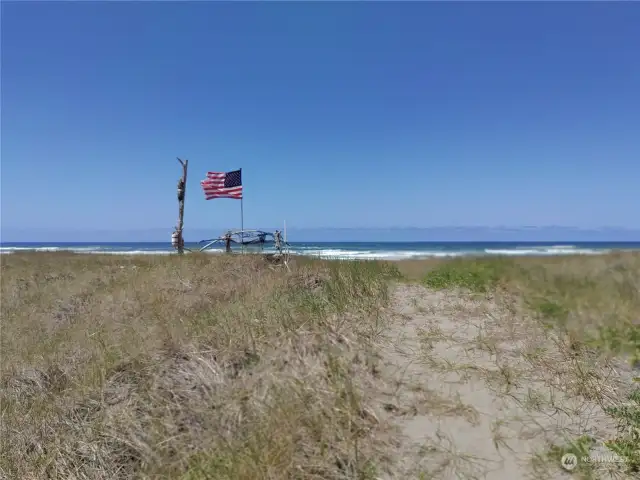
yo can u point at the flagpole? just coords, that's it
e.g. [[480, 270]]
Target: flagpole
[[242, 215], [286, 247]]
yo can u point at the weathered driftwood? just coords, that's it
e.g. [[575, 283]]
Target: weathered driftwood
[[177, 239]]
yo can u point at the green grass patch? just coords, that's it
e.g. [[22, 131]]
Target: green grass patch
[[627, 443], [549, 309], [477, 275], [618, 339]]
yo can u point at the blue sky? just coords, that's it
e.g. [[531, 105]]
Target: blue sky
[[340, 114]]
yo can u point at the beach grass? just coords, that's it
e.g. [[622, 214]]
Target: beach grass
[[196, 367], [595, 299], [228, 367]]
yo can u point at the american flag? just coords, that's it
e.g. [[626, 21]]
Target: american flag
[[223, 185]]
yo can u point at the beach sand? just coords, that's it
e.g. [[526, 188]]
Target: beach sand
[[479, 394], [231, 367]]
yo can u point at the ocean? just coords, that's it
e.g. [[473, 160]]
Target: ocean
[[347, 250]]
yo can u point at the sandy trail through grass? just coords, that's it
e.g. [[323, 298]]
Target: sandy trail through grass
[[479, 393]]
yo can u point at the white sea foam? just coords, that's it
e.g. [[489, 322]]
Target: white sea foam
[[131, 252], [30, 249], [342, 254], [546, 251], [96, 250], [88, 249]]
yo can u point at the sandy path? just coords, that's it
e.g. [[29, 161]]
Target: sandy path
[[476, 393]]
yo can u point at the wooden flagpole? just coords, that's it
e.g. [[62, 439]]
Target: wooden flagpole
[[177, 239]]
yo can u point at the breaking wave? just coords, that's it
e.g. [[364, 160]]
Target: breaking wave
[[552, 250], [344, 254]]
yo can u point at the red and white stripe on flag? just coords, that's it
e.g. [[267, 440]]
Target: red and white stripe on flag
[[222, 185]]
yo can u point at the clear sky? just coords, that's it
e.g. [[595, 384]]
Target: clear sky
[[340, 114]]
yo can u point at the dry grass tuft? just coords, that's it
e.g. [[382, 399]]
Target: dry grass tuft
[[196, 367]]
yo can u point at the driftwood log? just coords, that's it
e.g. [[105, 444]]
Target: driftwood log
[[182, 191]]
